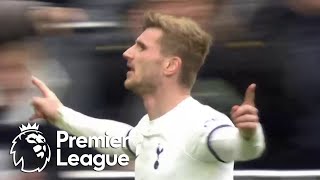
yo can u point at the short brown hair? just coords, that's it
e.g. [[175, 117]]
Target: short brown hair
[[184, 38]]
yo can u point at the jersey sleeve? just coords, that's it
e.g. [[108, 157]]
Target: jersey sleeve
[[81, 125], [228, 145], [135, 137], [217, 139]]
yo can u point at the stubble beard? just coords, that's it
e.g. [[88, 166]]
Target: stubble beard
[[131, 85], [138, 88]]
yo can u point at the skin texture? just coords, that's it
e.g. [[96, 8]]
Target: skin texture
[[143, 61]]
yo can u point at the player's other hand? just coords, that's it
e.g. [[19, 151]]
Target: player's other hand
[[245, 117], [45, 107]]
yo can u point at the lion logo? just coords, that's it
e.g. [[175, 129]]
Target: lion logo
[[30, 149]]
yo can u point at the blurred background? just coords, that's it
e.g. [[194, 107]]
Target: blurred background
[[76, 46]]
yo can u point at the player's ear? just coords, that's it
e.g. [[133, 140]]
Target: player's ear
[[172, 65]]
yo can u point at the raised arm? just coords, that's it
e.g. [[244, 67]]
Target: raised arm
[[221, 140], [49, 107], [246, 141]]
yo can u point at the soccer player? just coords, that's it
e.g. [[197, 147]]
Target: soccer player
[[178, 138]]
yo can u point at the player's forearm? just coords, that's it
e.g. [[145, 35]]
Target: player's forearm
[[229, 145], [81, 125], [252, 148]]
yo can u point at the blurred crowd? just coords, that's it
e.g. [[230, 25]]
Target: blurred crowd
[[76, 47]]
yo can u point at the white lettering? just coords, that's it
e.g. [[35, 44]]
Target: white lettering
[[81, 142], [59, 162], [99, 165], [108, 160], [115, 142], [96, 142], [123, 141], [123, 160], [60, 139], [98, 161], [73, 160], [86, 163], [71, 139]]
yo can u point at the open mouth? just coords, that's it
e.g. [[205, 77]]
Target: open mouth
[[130, 68]]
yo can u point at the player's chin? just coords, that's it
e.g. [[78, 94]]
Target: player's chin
[[126, 84], [129, 84]]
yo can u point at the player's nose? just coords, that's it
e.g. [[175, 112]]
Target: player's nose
[[128, 54]]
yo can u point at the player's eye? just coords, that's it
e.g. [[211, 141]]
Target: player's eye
[[140, 46]]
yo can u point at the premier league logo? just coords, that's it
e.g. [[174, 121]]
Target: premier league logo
[[33, 140]]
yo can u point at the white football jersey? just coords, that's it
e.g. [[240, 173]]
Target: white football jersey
[[191, 141], [175, 145]]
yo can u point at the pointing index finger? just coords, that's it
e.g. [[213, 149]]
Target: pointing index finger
[[249, 97], [41, 86]]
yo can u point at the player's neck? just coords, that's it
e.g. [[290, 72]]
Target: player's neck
[[163, 100]]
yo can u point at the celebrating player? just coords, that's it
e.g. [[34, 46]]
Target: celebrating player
[[178, 138]]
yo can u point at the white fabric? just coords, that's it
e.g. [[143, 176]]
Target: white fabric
[[175, 145]]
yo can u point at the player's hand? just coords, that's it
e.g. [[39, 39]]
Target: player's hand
[[245, 117], [45, 107]]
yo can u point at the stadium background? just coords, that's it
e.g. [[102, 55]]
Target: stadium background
[[274, 43]]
